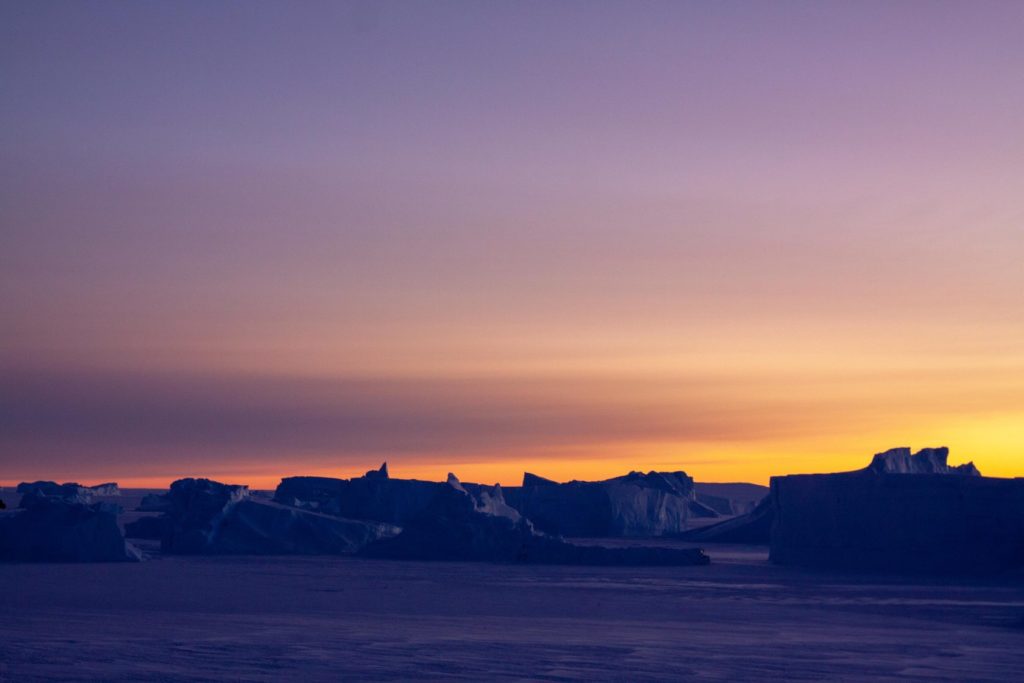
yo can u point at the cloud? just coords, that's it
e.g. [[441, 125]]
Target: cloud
[[62, 422], [129, 414]]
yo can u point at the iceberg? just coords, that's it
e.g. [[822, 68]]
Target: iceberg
[[903, 513], [459, 525], [55, 524], [207, 517], [374, 496], [637, 504]]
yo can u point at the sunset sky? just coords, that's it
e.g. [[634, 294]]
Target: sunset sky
[[249, 240]]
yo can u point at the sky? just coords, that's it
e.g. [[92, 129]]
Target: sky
[[252, 240]]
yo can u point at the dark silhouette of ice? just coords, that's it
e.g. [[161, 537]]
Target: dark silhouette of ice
[[374, 496], [58, 523], [911, 513], [207, 517], [437, 525], [935, 523], [195, 510], [461, 525], [382, 473], [636, 504], [903, 511]]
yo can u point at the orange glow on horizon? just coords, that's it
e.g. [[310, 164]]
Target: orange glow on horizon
[[995, 445]]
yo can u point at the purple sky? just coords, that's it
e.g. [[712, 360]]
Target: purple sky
[[735, 238]]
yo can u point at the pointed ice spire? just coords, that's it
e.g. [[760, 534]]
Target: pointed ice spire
[[454, 482]]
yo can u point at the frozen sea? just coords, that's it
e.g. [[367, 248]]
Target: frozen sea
[[314, 618]]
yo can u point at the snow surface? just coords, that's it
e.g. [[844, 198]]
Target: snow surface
[[342, 618]]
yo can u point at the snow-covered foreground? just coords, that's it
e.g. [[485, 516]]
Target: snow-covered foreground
[[304, 618]]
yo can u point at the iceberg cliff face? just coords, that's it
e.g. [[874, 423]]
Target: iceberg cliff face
[[60, 527], [108, 489], [636, 504]]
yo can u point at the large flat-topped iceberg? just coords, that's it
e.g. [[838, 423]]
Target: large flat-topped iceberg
[[886, 473], [903, 513], [917, 523]]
